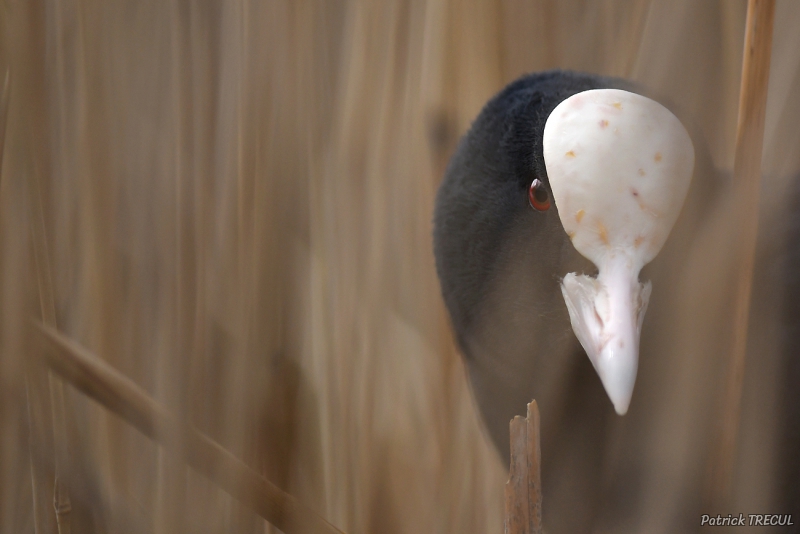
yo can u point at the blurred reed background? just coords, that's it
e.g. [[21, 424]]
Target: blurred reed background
[[230, 202]]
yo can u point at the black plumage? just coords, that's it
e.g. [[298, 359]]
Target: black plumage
[[500, 262]]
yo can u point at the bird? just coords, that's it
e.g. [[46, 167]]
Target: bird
[[504, 257]]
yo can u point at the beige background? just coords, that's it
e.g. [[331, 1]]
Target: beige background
[[231, 203]]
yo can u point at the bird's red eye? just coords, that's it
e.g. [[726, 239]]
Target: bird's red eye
[[538, 196]]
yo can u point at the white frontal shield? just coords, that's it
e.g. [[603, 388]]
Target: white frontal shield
[[619, 166]]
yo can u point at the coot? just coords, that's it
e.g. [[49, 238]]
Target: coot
[[558, 169]]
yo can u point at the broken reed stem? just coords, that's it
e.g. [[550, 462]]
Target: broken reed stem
[[747, 188], [100, 381], [523, 491]]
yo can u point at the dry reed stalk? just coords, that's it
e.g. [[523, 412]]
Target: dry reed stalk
[[40, 443], [4, 113], [523, 491], [44, 393], [747, 188], [61, 493], [122, 396]]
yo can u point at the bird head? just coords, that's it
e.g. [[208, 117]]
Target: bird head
[[619, 166]]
